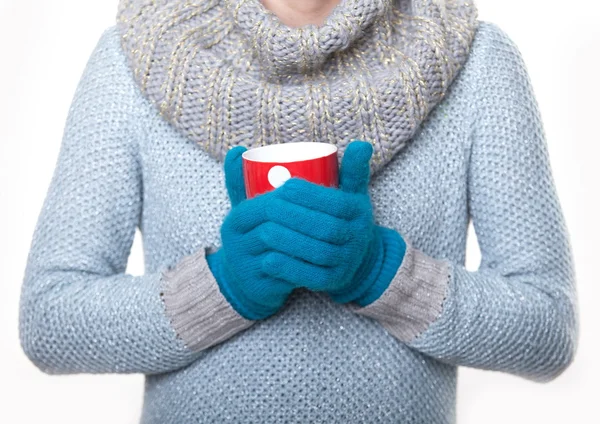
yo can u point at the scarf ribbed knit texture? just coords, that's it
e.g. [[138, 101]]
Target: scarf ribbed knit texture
[[229, 72]]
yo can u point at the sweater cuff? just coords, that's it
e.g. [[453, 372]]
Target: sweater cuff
[[199, 313], [413, 299], [393, 252]]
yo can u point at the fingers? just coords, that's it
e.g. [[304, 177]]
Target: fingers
[[296, 272], [234, 175], [312, 223], [248, 215], [251, 243], [299, 246], [328, 200], [355, 169]]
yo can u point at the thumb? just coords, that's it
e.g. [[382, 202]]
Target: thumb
[[355, 170], [234, 175]]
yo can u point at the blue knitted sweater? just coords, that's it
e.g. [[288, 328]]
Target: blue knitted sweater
[[481, 154]]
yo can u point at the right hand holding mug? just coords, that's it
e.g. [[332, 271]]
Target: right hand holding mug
[[238, 264]]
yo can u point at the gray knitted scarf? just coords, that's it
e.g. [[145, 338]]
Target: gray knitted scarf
[[229, 72]]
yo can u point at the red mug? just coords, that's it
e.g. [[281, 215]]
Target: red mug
[[268, 167]]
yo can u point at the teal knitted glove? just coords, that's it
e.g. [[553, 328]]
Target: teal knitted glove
[[325, 239], [237, 264]]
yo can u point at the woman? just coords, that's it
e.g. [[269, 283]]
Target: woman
[[306, 304]]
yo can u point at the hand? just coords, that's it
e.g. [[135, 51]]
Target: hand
[[238, 263], [325, 239]]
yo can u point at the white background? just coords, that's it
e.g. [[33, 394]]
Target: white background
[[44, 46]]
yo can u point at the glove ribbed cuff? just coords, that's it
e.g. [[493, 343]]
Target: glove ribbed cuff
[[393, 252], [414, 298], [246, 307], [378, 268]]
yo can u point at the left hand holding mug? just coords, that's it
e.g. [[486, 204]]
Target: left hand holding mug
[[325, 239]]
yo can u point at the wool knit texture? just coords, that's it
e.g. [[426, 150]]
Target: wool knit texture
[[228, 72], [480, 154]]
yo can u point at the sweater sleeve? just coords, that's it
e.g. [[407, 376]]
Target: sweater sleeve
[[80, 312], [517, 313]]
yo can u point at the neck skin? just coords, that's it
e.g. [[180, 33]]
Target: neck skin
[[297, 13]]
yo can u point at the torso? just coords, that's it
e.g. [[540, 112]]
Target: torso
[[315, 360]]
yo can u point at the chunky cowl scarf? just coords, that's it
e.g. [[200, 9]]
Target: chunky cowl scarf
[[229, 72]]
